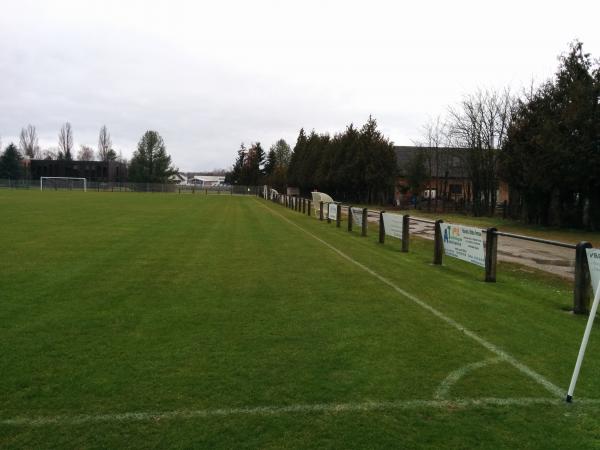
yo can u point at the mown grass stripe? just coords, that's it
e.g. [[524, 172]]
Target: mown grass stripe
[[547, 384]]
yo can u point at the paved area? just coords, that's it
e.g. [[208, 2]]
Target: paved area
[[549, 258]]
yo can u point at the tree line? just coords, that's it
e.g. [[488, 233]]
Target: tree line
[[543, 142], [358, 164], [150, 162], [551, 156]]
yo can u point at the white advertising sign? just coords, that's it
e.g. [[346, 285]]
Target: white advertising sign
[[357, 216], [464, 243], [392, 224], [593, 257], [332, 211]]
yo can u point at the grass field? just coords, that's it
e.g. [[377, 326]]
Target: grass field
[[159, 320]]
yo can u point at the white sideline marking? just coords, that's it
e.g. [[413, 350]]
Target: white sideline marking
[[444, 387], [547, 384], [330, 408]]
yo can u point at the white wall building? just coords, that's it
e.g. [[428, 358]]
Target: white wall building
[[207, 180]]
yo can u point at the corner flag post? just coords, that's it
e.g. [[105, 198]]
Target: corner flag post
[[584, 342]]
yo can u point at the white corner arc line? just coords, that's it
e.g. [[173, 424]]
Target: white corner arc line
[[444, 387], [547, 384]]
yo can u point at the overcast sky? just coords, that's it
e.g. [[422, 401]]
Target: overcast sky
[[209, 75]]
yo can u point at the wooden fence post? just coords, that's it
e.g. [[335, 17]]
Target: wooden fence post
[[321, 210], [438, 245], [365, 222], [381, 228], [303, 206], [405, 232], [349, 218], [338, 219], [581, 290], [491, 255]]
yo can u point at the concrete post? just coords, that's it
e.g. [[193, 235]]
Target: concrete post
[[491, 255], [438, 245], [349, 218], [405, 232], [365, 215], [581, 289]]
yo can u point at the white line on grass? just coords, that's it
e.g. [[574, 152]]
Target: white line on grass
[[549, 386], [327, 408], [444, 387]]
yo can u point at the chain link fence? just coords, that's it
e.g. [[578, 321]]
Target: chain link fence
[[104, 186]]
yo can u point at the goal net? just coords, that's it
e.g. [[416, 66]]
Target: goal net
[[63, 183]]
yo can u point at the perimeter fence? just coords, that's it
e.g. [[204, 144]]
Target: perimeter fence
[[116, 186], [475, 245]]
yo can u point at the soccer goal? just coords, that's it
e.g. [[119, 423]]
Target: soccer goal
[[63, 183]]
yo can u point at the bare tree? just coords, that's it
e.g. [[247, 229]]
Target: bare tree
[[104, 144], [28, 142], [49, 153], [434, 142], [86, 153], [65, 141], [479, 124], [120, 158]]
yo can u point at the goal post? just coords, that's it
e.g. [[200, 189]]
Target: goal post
[[62, 182]]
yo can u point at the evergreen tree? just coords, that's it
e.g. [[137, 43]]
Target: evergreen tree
[[270, 164], [10, 163], [552, 155], [235, 176], [277, 164], [253, 169], [150, 162]]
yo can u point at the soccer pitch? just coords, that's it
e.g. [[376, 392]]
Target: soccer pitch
[[164, 320]]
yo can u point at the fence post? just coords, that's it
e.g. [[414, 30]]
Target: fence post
[[381, 228], [491, 255], [364, 222], [303, 206], [321, 210], [309, 208], [582, 279], [405, 232], [338, 219], [349, 218], [438, 245]]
